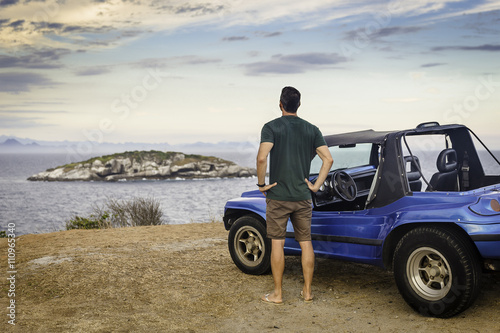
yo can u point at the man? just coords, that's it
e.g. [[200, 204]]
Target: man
[[291, 142]]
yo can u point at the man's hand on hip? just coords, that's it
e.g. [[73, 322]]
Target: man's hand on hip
[[264, 189], [312, 186]]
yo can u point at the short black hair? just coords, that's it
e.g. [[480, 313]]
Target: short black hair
[[290, 99]]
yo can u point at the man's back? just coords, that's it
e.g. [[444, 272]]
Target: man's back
[[294, 144]]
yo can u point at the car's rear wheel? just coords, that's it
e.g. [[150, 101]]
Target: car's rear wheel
[[437, 271], [249, 247]]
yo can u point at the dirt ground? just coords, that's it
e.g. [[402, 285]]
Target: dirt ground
[[180, 278]]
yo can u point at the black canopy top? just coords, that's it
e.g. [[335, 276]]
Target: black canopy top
[[367, 136], [377, 137]]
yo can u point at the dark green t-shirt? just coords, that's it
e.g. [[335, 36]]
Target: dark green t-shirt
[[295, 141]]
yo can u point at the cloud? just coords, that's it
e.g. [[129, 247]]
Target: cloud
[[433, 64], [272, 34], [386, 32], [295, 63], [132, 33], [267, 34], [195, 60], [174, 61], [16, 82], [24, 122], [6, 3], [32, 112], [199, 9], [485, 47], [234, 38], [41, 59], [71, 24], [90, 71], [16, 25], [39, 30], [378, 34], [313, 58], [261, 34], [60, 28]]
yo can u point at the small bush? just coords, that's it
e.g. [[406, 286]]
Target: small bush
[[137, 212], [120, 213], [88, 223]]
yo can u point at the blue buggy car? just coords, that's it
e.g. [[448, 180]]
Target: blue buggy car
[[422, 202]]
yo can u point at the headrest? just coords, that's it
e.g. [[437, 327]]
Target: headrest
[[447, 160], [412, 174]]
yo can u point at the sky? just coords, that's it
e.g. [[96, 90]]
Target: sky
[[212, 70]]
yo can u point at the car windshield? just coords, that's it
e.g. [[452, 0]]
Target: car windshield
[[345, 157]]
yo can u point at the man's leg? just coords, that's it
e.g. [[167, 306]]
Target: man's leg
[[276, 216], [307, 268], [277, 267], [301, 220]]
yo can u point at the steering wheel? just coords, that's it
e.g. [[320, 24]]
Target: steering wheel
[[344, 185]]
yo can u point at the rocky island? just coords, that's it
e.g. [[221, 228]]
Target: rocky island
[[145, 165]]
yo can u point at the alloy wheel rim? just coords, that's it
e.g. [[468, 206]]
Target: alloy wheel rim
[[249, 246], [429, 273]]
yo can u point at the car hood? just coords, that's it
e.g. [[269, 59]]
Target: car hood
[[252, 194]]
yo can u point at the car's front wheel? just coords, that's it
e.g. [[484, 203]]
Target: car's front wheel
[[249, 247], [437, 271]]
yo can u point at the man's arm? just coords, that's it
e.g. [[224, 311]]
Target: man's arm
[[264, 149], [326, 157]]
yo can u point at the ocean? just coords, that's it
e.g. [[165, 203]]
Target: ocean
[[41, 207]]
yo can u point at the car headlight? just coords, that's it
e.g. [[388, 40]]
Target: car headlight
[[495, 205], [486, 206]]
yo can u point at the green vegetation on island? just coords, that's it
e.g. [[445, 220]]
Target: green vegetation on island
[[142, 155]]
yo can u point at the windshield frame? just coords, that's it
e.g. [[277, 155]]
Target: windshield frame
[[341, 158]]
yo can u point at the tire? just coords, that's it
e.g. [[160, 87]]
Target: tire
[[437, 271], [249, 247]]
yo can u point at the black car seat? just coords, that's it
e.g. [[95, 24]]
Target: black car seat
[[446, 179], [413, 173]]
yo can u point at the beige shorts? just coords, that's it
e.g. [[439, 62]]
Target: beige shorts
[[277, 215]]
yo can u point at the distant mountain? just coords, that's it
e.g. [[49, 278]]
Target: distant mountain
[[15, 145], [12, 143], [24, 141]]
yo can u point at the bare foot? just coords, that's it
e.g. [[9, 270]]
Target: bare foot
[[271, 299], [308, 298]]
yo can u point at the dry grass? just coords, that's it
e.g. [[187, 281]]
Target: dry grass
[[180, 278]]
